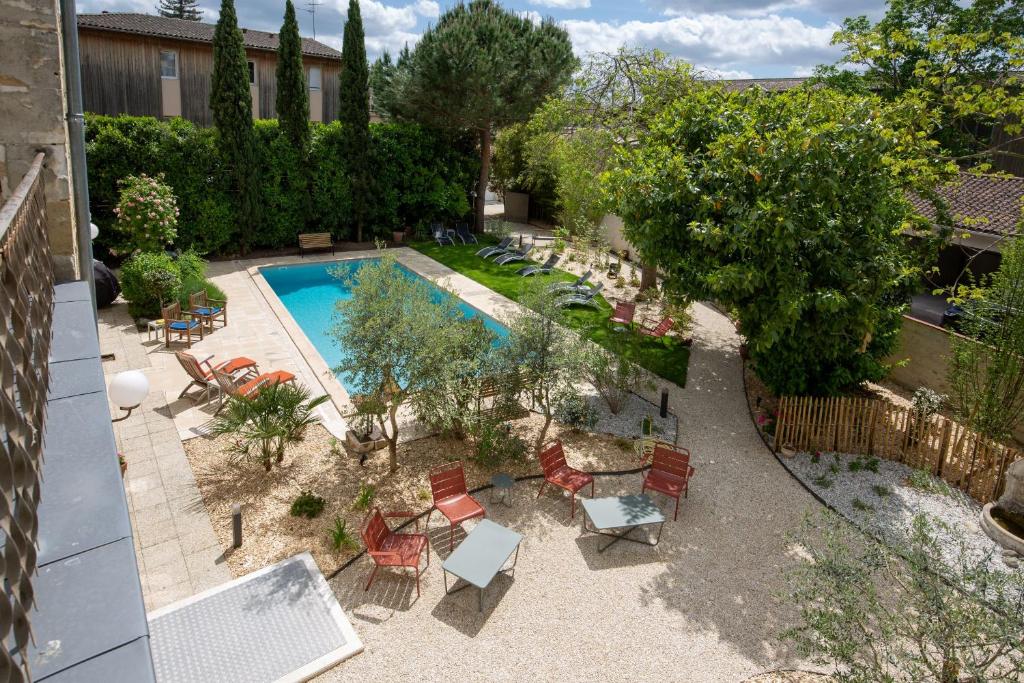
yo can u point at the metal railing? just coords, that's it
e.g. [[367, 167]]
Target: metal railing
[[26, 316]]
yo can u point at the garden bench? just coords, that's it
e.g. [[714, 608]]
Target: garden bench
[[315, 240]]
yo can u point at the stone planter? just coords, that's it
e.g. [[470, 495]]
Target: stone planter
[[1013, 546], [787, 451], [363, 443], [517, 207]]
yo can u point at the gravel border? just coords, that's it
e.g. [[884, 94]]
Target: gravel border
[[627, 423]]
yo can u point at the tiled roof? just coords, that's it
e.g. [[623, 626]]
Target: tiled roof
[[984, 204], [181, 29], [769, 84]]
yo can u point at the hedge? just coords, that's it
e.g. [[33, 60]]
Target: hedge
[[420, 176]]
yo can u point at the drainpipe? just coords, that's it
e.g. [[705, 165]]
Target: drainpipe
[[76, 143]]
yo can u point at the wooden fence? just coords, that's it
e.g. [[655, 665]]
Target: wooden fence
[[863, 426]]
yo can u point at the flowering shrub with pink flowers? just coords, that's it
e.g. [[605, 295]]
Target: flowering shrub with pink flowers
[[147, 215]]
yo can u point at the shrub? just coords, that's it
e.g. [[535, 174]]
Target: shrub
[[341, 537], [614, 376], [261, 426], [861, 506], [575, 412], [307, 505], [822, 481], [147, 214], [147, 280], [365, 496], [881, 491], [497, 444], [922, 480]]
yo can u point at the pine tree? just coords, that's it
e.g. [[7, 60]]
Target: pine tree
[[479, 68], [354, 113], [180, 9], [292, 96], [231, 105]]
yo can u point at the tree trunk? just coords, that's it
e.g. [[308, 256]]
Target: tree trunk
[[393, 439], [648, 276], [485, 172], [543, 434]]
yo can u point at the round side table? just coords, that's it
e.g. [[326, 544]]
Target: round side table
[[501, 488]]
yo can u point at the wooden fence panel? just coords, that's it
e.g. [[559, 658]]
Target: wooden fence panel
[[863, 426]]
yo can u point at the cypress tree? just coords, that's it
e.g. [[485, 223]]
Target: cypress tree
[[354, 113], [180, 9], [231, 104], [292, 96]]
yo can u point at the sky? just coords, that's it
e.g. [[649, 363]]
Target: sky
[[727, 38]]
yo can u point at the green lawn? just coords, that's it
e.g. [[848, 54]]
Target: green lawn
[[667, 358]]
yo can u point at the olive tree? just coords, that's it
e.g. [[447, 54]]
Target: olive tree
[[925, 614]]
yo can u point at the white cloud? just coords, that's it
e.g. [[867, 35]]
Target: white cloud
[[803, 71], [718, 41], [530, 14], [387, 27], [562, 4], [728, 74]]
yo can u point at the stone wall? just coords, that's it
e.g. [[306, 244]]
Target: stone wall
[[32, 110]]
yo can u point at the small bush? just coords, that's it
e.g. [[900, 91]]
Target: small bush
[[822, 481], [922, 480], [496, 444], [816, 458], [341, 537], [869, 464], [307, 505], [881, 491], [364, 498], [147, 215], [860, 505], [147, 280], [575, 412]]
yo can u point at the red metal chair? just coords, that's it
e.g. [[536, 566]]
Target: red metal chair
[[670, 473], [623, 314], [558, 473], [448, 486], [660, 330], [390, 549]]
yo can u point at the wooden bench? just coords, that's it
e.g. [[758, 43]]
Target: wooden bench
[[315, 240]]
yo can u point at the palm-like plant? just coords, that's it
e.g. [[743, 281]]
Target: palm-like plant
[[265, 424]]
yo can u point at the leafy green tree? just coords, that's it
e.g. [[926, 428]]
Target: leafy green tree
[[986, 373], [958, 62], [180, 9], [927, 614], [400, 340], [479, 68], [262, 426], [231, 104], [292, 95], [354, 113], [540, 345], [787, 208]]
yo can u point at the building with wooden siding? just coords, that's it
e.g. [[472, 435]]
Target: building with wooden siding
[[150, 65]]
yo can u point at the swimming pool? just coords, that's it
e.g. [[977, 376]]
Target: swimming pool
[[310, 291]]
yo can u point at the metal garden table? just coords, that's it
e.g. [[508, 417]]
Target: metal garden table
[[627, 513], [480, 557]]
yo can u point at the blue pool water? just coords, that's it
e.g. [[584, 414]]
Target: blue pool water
[[310, 292]]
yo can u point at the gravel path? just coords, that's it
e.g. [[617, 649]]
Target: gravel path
[[884, 503], [701, 606]]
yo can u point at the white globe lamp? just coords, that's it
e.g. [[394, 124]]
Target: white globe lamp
[[94, 231], [128, 390]]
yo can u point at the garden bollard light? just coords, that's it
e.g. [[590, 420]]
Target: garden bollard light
[[664, 402], [236, 525]]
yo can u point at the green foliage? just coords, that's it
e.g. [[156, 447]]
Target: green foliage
[[497, 444], [480, 67], [986, 372], [881, 491], [307, 505], [261, 426], [865, 464], [180, 9], [861, 506], [424, 176], [823, 481], [147, 214], [231, 104], [402, 342], [364, 497], [922, 480], [341, 537], [613, 375], [778, 205], [292, 104], [513, 170], [149, 279], [874, 615], [354, 115], [575, 412]]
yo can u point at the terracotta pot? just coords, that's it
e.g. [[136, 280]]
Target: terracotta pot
[[787, 451], [399, 236]]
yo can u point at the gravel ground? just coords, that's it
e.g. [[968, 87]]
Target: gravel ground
[[627, 423], [701, 606], [886, 504]]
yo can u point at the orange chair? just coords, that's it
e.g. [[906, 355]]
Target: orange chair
[[623, 314], [201, 371], [558, 473], [670, 473], [660, 330], [390, 549], [249, 389], [448, 486]]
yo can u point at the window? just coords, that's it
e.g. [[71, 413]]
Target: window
[[252, 73], [314, 78], [168, 64]]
